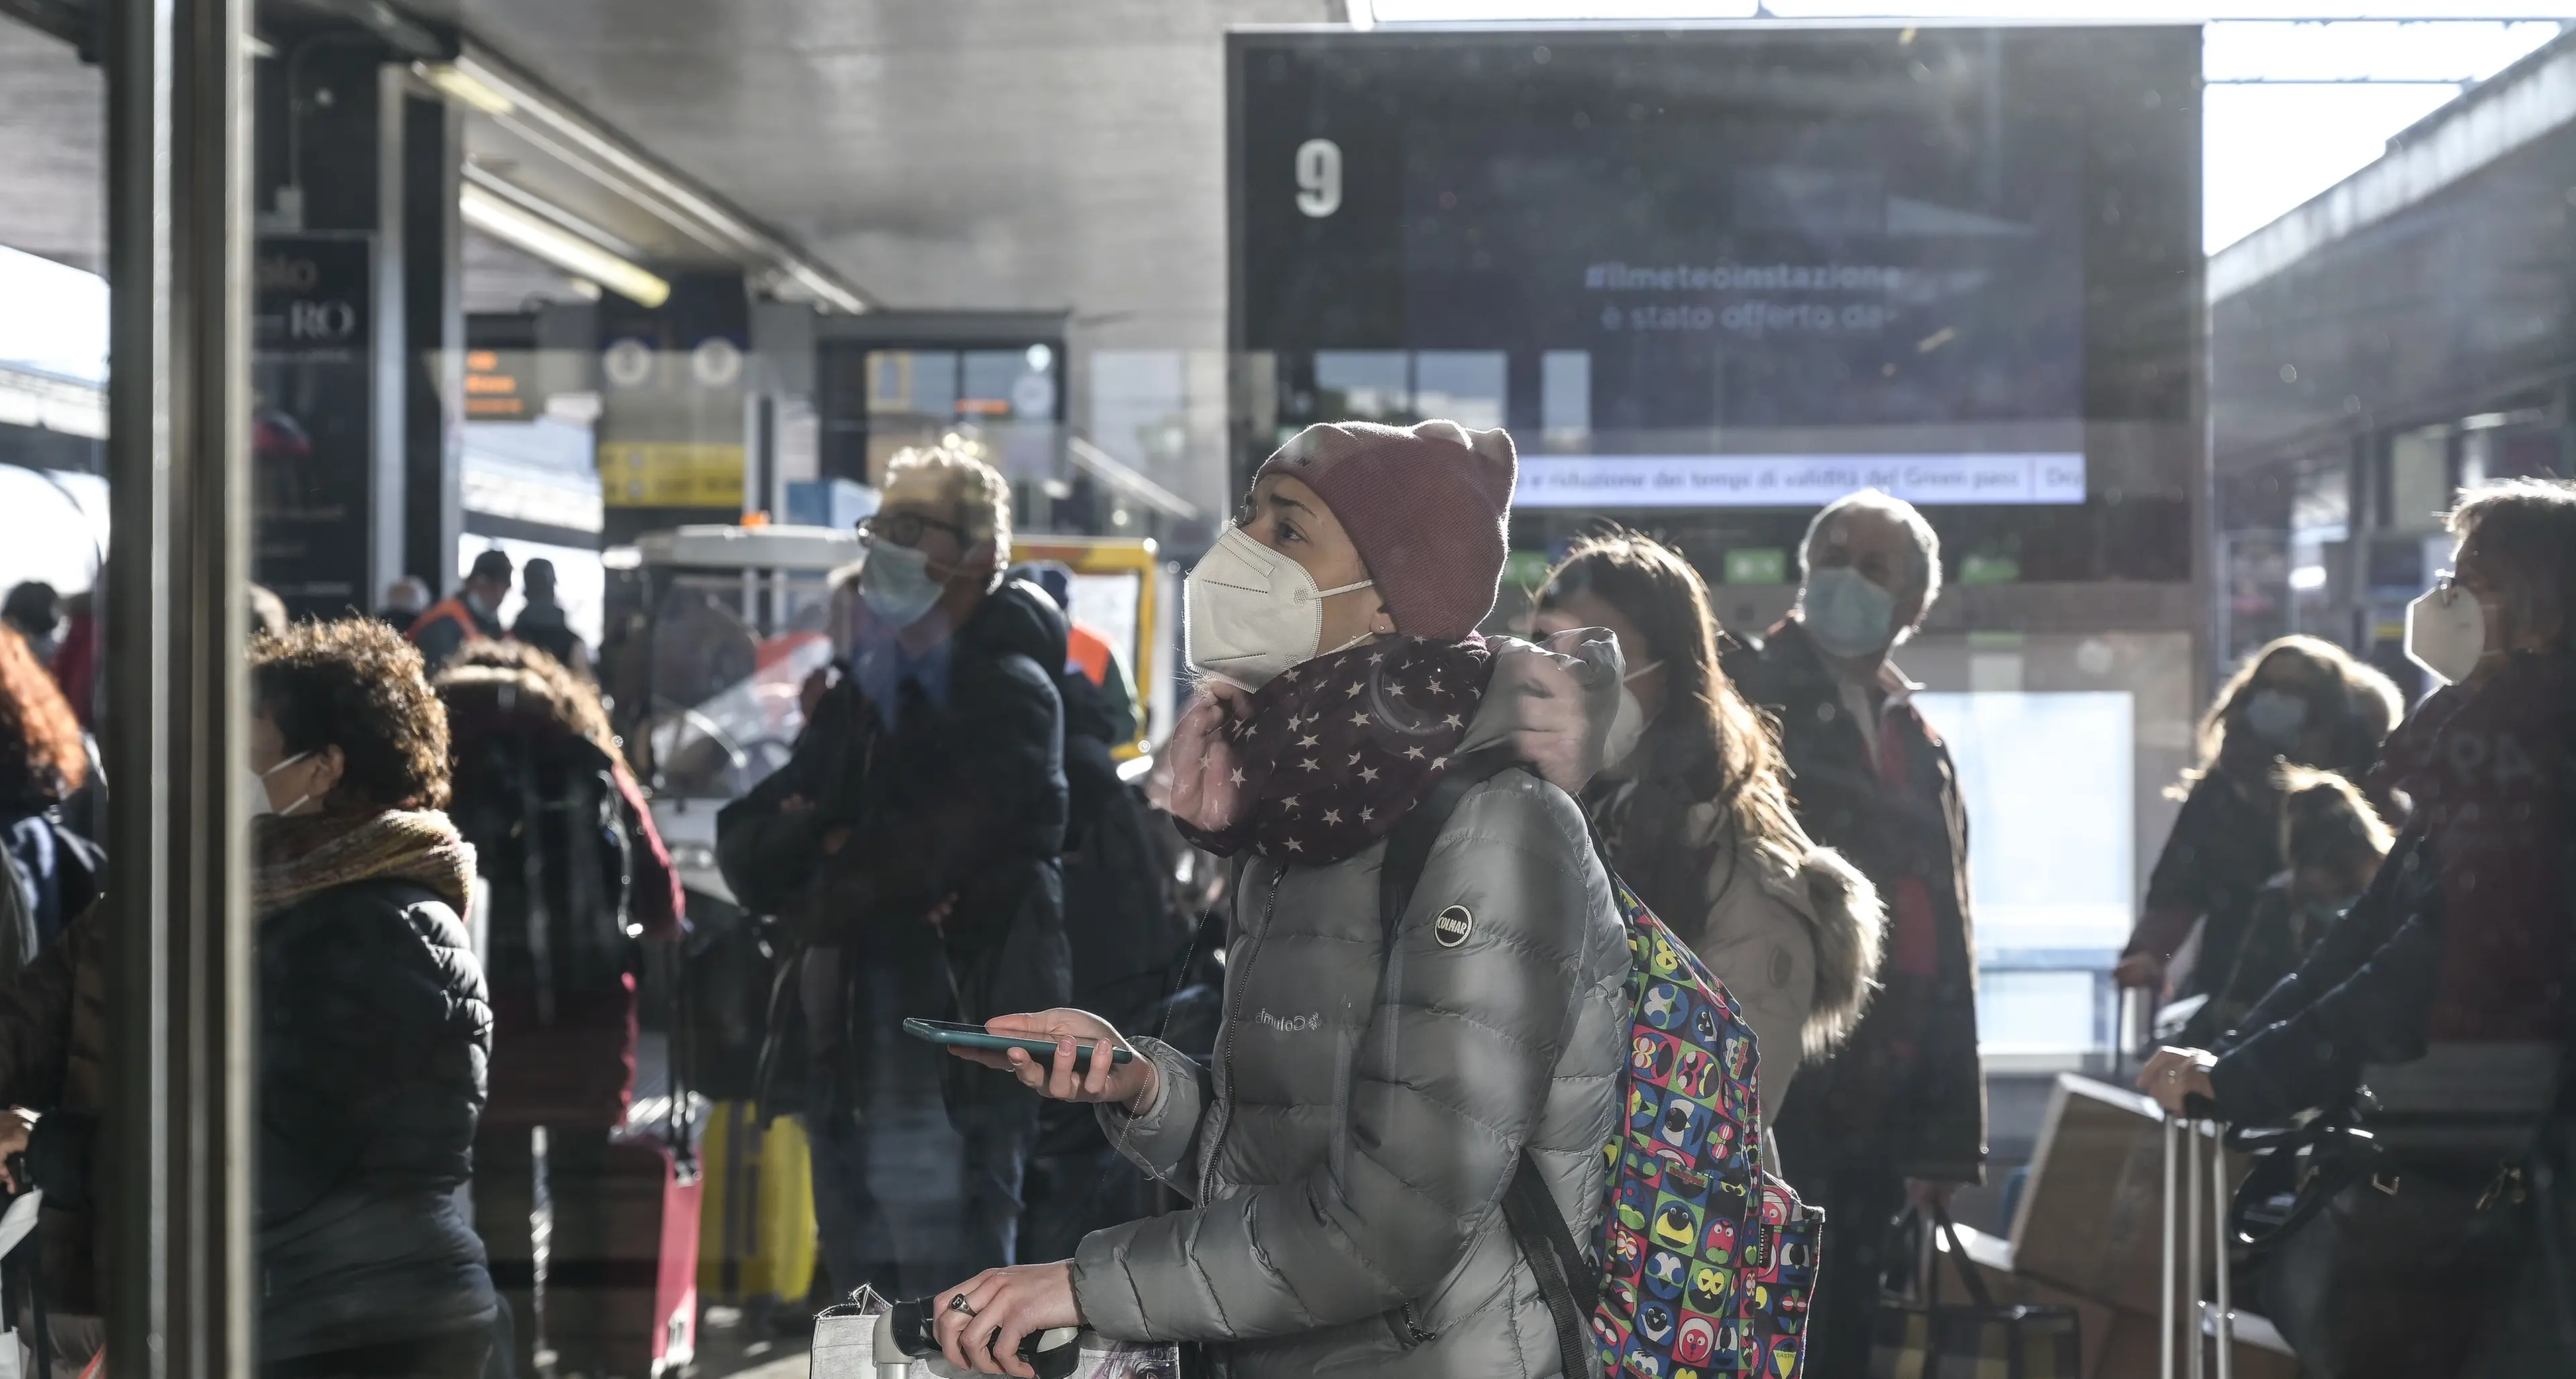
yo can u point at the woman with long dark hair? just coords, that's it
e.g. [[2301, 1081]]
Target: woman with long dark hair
[[1692, 806], [2299, 701]]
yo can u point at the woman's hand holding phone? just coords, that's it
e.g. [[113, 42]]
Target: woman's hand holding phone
[[1129, 1084]]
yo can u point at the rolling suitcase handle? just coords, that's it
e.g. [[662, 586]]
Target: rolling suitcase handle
[[2184, 1134]]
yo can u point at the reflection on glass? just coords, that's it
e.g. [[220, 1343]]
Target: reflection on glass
[[1364, 385]]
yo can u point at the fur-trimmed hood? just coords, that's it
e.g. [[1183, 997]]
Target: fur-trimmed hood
[[1794, 931], [1845, 919]]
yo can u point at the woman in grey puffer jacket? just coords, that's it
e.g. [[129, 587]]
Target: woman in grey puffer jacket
[[1348, 1149]]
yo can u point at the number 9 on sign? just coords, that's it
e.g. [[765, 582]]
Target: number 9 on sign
[[1319, 177]]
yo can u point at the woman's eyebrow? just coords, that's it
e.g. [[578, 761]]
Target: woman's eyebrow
[[1281, 500]]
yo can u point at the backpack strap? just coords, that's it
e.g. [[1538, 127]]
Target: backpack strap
[[1408, 847], [1566, 1280]]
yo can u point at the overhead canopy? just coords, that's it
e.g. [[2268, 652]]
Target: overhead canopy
[[2433, 283]]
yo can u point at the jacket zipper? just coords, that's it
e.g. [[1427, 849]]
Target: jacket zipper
[[1238, 976]]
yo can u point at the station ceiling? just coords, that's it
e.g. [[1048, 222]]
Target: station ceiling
[[975, 154], [53, 126]]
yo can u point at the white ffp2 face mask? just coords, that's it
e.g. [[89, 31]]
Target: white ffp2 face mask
[[2446, 632], [260, 801], [1629, 723], [1249, 612]]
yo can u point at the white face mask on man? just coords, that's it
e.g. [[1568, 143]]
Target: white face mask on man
[[1249, 612]]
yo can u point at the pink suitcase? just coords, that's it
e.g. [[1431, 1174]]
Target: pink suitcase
[[649, 1308]]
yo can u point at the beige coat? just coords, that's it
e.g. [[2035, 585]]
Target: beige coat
[[1793, 930]]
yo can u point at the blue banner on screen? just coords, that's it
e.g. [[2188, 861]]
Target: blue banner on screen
[[1766, 481]]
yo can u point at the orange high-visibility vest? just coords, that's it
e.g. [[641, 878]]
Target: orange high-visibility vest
[[449, 609], [1087, 649]]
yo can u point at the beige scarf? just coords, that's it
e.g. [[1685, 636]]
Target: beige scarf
[[301, 856]]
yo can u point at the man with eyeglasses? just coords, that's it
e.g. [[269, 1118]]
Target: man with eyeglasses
[[924, 809]]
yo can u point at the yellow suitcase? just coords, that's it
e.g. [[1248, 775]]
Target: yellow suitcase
[[757, 1239]]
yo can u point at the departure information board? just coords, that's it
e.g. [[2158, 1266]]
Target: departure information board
[[1745, 268]]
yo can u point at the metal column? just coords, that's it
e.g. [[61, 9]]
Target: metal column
[[177, 1191]]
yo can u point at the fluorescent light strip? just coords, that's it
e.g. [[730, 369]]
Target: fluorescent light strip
[[579, 257], [530, 202], [677, 198], [628, 191], [463, 88]]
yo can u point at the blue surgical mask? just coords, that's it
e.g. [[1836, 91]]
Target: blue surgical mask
[[2276, 716], [896, 584], [1849, 615]]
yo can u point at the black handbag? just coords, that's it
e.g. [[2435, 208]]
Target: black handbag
[[2371, 1264], [1926, 1340]]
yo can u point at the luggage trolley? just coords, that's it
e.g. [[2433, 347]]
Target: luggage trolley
[[2213, 1317]]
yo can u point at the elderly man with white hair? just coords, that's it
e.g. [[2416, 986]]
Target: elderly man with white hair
[[1898, 1114]]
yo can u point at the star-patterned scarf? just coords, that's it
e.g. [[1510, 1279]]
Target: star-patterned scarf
[[1335, 751]]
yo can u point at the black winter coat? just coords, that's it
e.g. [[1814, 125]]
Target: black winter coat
[[2461, 939], [962, 796], [1125, 931], [373, 1048], [1920, 1110]]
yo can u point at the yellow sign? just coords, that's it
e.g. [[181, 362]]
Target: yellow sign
[[670, 474], [1121, 573]]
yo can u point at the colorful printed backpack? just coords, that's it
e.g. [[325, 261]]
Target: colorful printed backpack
[[1706, 1262]]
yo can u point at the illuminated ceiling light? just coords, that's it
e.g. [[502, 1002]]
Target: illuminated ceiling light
[[548, 123], [464, 88], [566, 251]]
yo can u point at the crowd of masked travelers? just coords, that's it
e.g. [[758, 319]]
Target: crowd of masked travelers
[[1363, 925], [394, 1194], [1304, 1172], [2363, 926], [1335, 1157]]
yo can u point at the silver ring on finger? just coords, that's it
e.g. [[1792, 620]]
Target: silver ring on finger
[[958, 1303]]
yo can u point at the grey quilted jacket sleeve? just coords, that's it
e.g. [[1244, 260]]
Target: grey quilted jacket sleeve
[[1163, 1141], [1452, 1070]]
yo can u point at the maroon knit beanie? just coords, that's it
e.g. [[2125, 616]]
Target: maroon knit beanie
[[1425, 504]]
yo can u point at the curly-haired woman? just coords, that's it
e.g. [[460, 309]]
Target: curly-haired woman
[[43, 760], [374, 1028], [374, 1031]]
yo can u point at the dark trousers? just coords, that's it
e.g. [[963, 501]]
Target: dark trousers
[[915, 1198], [1862, 1201], [1073, 1194], [910, 1195], [458, 1355], [567, 1186]]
